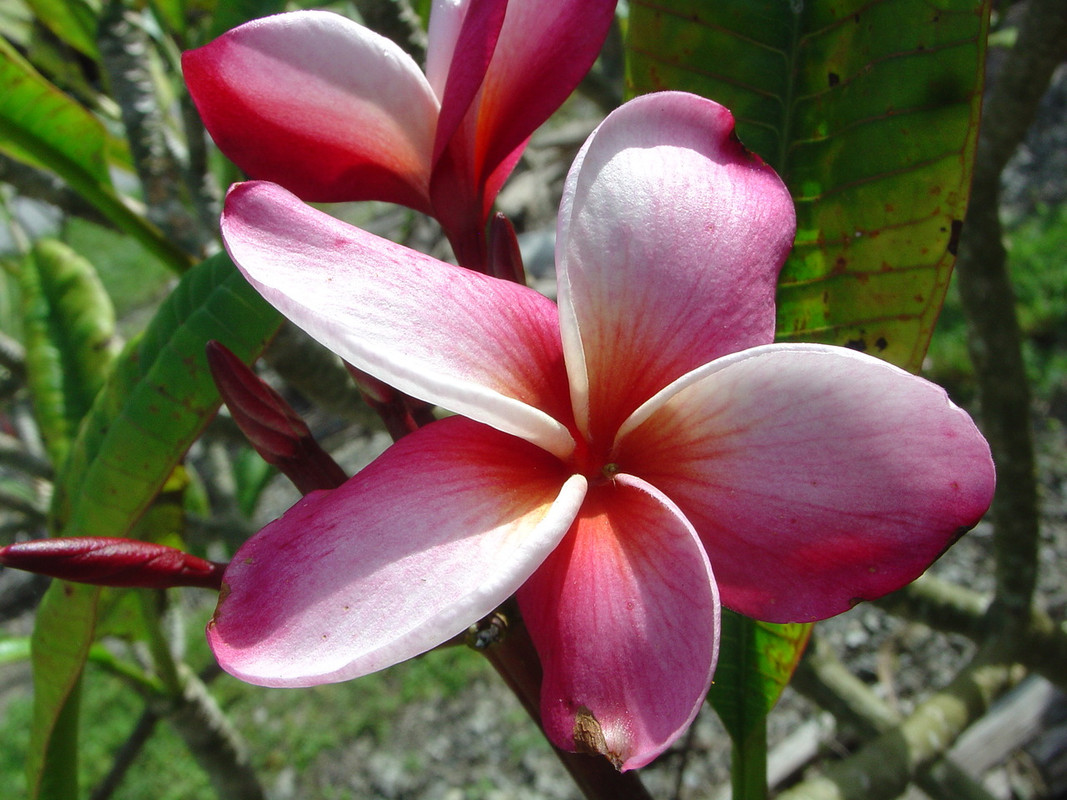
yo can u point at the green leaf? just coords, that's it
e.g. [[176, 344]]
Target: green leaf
[[59, 646], [252, 475], [69, 328], [868, 109], [155, 402], [756, 661], [43, 127], [171, 13], [73, 21]]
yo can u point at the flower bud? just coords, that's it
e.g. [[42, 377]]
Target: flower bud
[[271, 425], [112, 562]]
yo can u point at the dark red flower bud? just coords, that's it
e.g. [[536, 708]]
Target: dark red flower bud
[[271, 425], [401, 414], [113, 562], [505, 260]]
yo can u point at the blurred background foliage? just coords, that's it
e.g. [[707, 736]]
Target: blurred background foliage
[[126, 206]]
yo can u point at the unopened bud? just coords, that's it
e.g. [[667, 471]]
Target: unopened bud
[[113, 562], [505, 260], [271, 425]]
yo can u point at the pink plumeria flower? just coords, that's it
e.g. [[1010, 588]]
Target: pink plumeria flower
[[334, 112], [606, 454]]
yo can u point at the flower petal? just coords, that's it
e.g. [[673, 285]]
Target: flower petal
[[425, 541], [625, 617], [462, 38], [482, 347], [468, 33], [669, 243], [544, 51], [446, 21], [319, 104], [816, 476]]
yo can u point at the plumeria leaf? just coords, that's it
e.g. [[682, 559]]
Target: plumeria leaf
[[155, 402], [70, 339], [756, 661], [62, 636], [171, 13], [868, 111], [844, 283], [42, 126], [73, 21]]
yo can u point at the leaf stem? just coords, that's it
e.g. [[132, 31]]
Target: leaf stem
[[748, 765]]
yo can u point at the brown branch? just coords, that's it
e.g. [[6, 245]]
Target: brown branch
[[38, 184], [211, 739], [1037, 641], [126, 756], [988, 304], [124, 48], [883, 768], [824, 679]]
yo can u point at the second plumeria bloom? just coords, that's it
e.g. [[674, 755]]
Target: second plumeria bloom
[[607, 454], [334, 112]]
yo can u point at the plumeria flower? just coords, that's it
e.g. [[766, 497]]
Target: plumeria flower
[[605, 455], [334, 112]]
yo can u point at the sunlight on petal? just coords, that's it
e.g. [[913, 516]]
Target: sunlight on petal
[[425, 541], [670, 239], [544, 51], [475, 345], [469, 32], [625, 616], [337, 111], [816, 476]]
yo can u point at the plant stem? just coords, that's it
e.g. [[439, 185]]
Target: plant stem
[[513, 656], [193, 713], [883, 768], [1037, 642], [823, 678], [748, 765], [211, 739], [124, 45], [988, 303]]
